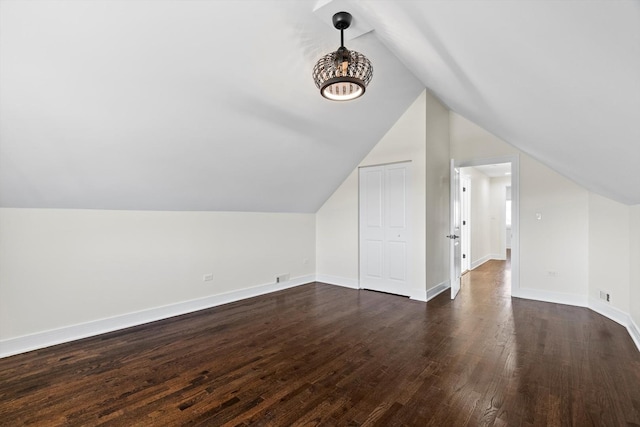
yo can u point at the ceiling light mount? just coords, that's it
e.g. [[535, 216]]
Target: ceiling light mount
[[342, 75]]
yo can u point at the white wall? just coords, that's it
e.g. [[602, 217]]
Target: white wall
[[438, 173], [337, 219], [554, 250], [634, 269], [498, 191], [609, 244], [487, 222], [480, 220], [66, 267]]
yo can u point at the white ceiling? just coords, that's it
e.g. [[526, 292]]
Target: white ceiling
[[209, 105]]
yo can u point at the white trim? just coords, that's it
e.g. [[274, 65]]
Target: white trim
[[617, 316], [477, 263], [418, 295], [385, 164], [437, 290], [591, 303], [554, 297], [499, 257], [609, 311], [44, 339], [634, 331], [338, 281]]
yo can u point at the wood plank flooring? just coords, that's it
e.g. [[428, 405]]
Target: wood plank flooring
[[324, 355]]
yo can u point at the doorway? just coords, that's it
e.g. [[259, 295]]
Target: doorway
[[490, 188]]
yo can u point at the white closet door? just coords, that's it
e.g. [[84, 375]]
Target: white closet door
[[384, 251]]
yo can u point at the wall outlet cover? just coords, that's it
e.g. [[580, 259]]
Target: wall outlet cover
[[282, 278]]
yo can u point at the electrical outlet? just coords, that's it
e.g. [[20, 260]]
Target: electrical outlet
[[605, 296], [207, 277], [552, 274], [282, 278]]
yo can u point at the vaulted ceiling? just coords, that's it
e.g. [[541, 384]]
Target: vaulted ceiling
[[209, 105]]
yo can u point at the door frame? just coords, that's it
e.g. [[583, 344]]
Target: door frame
[[465, 234], [515, 209], [455, 228]]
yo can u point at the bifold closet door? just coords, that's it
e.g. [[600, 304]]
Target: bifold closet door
[[384, 249]]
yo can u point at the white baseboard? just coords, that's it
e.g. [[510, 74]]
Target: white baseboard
[[338, 281], [438, 289], [44, 339], [591, 303], [634, 331], [418, 295], [548, 296], [414, 294], [477, 263], [608, 311], [617, 316]]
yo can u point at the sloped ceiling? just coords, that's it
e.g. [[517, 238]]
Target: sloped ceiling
[[209, 105]]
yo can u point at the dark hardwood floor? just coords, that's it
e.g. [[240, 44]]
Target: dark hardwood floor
[[324, 355]]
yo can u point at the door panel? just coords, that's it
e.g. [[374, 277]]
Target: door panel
[[397, 255], [373, 259], [396, 203], [373, 184]]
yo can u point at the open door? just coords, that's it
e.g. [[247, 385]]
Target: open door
[[454, 213]]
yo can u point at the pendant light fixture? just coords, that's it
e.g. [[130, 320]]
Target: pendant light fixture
[[342, 75]]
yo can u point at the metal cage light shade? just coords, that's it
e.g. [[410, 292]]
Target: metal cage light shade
[[342, 75]]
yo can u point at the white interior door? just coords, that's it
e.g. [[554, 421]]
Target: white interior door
[[384, 228], [454, 211]]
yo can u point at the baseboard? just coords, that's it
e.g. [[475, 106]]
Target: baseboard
[[548, 296], [617, 316], [437, 290], [49, 338], [634, 331], [477, 263], [591, 303], [418, 295], [415, 294], [338, 281], [608, 311], [499, 257], [75, 332]]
